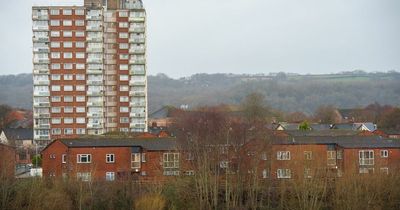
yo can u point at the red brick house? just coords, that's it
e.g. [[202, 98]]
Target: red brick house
[[112, 159], [7, 160]]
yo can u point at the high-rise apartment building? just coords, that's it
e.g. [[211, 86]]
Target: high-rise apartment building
[[89, 69]]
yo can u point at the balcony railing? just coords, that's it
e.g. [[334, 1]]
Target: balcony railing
[[136, 19], [94, 103], [93, 17], [94, 28], [41, 82], [137, 61], [136, 72], [41, 71], [41, 115], [94, 82], [137, 125], [111, 125], [94, 126], [137, 115], [40, 39], [94, 93], [94, 60], [40, 17], [137, 83], [137, 93], [137, 40], [137, 29], [137, 104], [111, 114], [94, 39], [41, 104], [97, 114], [109, 103], [110, 72], [42, 93], [111, 93], [137, 50], [94, 71], [41, 49], [43, 126], [42, 137], [111, 30], [109, 20], [41, 60], [40, 28]]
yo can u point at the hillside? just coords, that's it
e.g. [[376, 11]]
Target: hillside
[[287, 92]]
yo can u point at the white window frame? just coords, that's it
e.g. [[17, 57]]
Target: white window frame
[[365, 159], [384, 153], [284, 173], [87, 156], [283, 155], [110, 158]]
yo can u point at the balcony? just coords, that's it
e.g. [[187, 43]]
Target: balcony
[[137, 104], [42, 93], [137, 93], [133, 72], [111, 114], [40, 39], [137, 40], [41, 60], [94, 50], [110, 41], [40, 17], [137, 61], [137, 29], [94, 93], [94, 82], [41, 49], [110, 82], [111, 125], [111, 30], [137, 19], [110, 72], [94, 60], [137, 125], [137, 50], [94, 103], [110, 51], [110, 61], [94, 17], [41, 115], [111, 93], [42, 126], [137, 83], [91, 114], [94, 39], [41, 82], [41, 71], [41, 104], [97, 126], [40, 28], [42, 137], [111, 103], [137, 115], [94, 28], [94, 71], [110, 19]]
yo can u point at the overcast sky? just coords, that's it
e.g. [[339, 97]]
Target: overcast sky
[[242, 36]]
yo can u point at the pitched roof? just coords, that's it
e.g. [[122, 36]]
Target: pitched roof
[[316, 133], [342, 141], [18, 133], [147, 143]]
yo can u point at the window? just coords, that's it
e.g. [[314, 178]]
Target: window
[[52, 156], [68, 120], [331, 158], [55, 99], [83, 176], [80, 120], [80, 77], [135, 161], [55, 88], [123, 88], [143, 157], [123, 56], [79, 33], [366, 157], [84, 158], [384, 170], [56, 131], [67, 12], [54, 12], [68, 99], [123, 24], [339, 154], [68, 77], [110, 176], [79, 12], [64, 158], [68, 88], [171, 164], [264, 156], [123, 35], [265, 174], [123, 109], [284, 174], [68, 131], [124, 120], [123, 67], [307, 173], [67, 55], [80, 66], [384, 153], [67, 65], [67, 44], [68, 109], [55, 109], [67, 22], [80, 44], [123, 46], [55, 120], [123, 13], [55, 55], [80, 99], [124, 99], [110, 158], [80, 88], [55, 34], [55, 44], [55, 77], [80, 55], [67, 33], [54, 22], [124, 77], [283, 155], [80, 131], [308, 155], [55, 66], [80, 109]]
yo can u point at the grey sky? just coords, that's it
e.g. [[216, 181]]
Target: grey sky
[[243, 36]]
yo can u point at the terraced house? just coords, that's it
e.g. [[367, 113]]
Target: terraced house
[[89, 69]]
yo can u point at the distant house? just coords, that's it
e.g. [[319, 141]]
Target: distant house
[[392, 134], [367, 126], [7, 160], [22, 139], [107, 159], [162, 117], [295, 126]]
